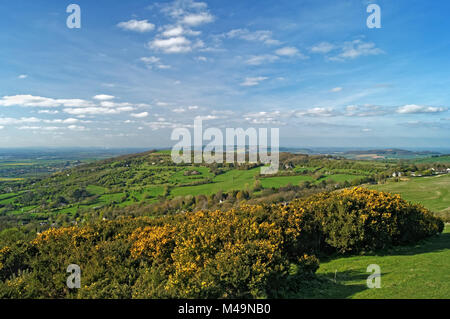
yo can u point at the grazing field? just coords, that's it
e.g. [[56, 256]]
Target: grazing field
[[419, 271], [231, 180], [343, 177], [433, 192], [279, 181]]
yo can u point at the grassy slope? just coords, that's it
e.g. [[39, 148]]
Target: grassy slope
[[231, 180], [432, 192], [279, 181], [420, 271]]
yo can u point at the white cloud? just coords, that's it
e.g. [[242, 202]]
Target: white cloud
[[22, 76], [260, 59], [323, 47], [288, 51], [366, 110], [98, 110], [264, 117], [137, 26], [197, 19], [188, 12], [74, 102], [347, 50], [22, 120], [412, 108], [161, 125], [139, 115], [252, 81], [198, 44], [356, 48], [150, 59], [39, 128], [38, 101], [179, 8], [103, 97], [124, 109], [114, 104], [173, 31], [61, 121], [173, 38], [70, 121], [1, 127], [336, 89], [172, 45], [48, 112], [206, 117], [263, 36], [179, 110], [76, 128], [154, 61], [317, 112]]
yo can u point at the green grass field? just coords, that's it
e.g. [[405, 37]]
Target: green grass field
[[420, 271], [279, 181], [231, 180], [342, 177], [432, 192]]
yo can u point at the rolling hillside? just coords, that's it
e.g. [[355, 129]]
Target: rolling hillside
[[433, 192], [151, 177]]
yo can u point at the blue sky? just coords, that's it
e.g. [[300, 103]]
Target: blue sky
[[138, 69]]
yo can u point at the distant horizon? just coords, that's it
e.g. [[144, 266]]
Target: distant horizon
[[442, 150]]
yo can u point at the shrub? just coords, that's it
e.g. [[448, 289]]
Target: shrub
[[358, 219]]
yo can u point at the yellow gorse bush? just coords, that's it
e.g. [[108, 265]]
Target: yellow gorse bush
[[360, 219], [54, 234]]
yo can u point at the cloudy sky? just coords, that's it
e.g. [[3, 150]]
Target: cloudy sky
[[138, 69]]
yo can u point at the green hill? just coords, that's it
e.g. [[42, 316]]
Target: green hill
[[433, 192]]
